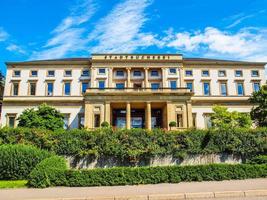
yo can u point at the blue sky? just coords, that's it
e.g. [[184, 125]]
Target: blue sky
[[225, 29]]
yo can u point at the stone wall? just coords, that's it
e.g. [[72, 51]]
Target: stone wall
[[89, 163]]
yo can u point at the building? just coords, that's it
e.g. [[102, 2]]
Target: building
[[131, 90]]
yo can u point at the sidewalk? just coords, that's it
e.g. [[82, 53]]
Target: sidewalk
[[194, 190]]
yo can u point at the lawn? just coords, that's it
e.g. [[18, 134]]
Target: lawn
[[13, 184]]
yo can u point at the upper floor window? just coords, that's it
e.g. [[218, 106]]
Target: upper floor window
[[154, 86], [16, 73], [85, 85], [256, 86], [206, 88], [223, 89], [222, 73], [238, 73], [51, 73], [68, 72], [188, 73], [205, 73], [120, 85], [85, 72], [50, 89], [15, 89], [189, 86], [101, 84], [255, 73], [240, 89], [137, 73], [101, 71], [119, 73], [32, 88], [172, 70], [67, 88], [154, 73], [34, 73], [173, 84]]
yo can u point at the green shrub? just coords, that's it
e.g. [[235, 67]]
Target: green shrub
[[261, 159], [154, 175], [49, 172], [17, 161], [104, 124]]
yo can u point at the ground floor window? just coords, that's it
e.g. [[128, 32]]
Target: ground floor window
[[97, 120], [179, 120], [66, 121], [194, 115], [81, 120], [207, 121], [11, 120]]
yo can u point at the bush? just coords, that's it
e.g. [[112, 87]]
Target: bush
[[17, 161], [49, 172], [261, 159], [104, 124], [154, 175]]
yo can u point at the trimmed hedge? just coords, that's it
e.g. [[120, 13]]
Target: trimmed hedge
[[261, 159], [49, 172], [154, 175], [139, 144], [17, 161]]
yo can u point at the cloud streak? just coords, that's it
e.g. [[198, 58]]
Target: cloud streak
[[3, 35]]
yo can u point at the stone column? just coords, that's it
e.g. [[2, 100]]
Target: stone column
[[107, 112], [110, 77], [88, 115], [128, 115], [128, 77], [93, 77], [148, 115], [184, 116], [189, 114], [146, 77]]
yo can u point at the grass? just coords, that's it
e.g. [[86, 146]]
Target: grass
[[13, 184]]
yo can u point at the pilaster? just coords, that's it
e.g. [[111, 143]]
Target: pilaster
[[148, 115], [128, 115]]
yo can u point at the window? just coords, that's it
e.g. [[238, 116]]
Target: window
[[81, 120], [206, 87], [32, 88], [238, 73], [240, 89], [85, 85], [15, 91], [85, 72], [222, 73], [205, 73], [137, 85], [11, 120], [51, 73], [189, 85], [154, 86], [207, 121], [102, 71], [173, 84], [179, 120], [154, 73], [119, 73], [172, 70], [255, 73], [120, 85], [17, 73], [188, 73], [67, 88], [68, 72], [34, 73], [194, 123], [97, 120], [66, 121], [50, 88], [223, 89], [137, 73], [256, 86], [101, 84]]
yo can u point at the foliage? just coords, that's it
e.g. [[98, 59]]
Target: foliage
[[104, 124], [172, 124], [13, 184], [45, 117], [260, 159], [259, 113], [49, 172], [139, 144], [221, 118], [17, 161], [154, 175]]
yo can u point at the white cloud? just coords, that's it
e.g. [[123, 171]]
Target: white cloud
[[3, 35], [121, 29], [15, 48], [68, 35]]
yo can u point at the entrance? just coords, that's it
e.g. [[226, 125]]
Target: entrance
[[156, 118]]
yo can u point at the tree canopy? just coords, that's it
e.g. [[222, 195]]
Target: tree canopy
[[45, 117]]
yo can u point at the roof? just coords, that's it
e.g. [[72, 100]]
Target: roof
[[53, 61]]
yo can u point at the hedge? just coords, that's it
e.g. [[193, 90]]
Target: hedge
[[261, 159], [154, 175], [136, 144], [17, 161], [49, 172]]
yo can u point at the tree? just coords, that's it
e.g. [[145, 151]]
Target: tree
[[223, 119], [259, 112], [172, 124], [44, 117]]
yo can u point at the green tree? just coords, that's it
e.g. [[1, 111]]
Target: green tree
[[221, 118], [259, 112], [45, 117]]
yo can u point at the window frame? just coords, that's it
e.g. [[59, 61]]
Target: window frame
[[64, 88], [154, 73], [206, 82], [101, 73], [237, 92], [68, 75], [50, 75], [258, 73], [85, 75], [119, 75], [192, 83], [30, 83], [47, 87], [139, 71], [222, 71], [205, 70], [14, 73], [226, 88], [101, 81], [172, 81], [155, 88], [12, 88], [8, 115], [31, 75], [188, 70], [241, 75], [253, 85], [88, 85], [120, 88], [172, 68]]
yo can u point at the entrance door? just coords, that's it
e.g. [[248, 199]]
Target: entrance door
[[119, 118], [137, 118], [156, 118]]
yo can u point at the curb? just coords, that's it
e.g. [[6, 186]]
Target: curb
[[178, 196]]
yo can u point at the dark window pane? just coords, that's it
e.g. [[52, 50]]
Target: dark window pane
[[84, 86], [206, 89], [137, 73], [50, 88], [32, 88], [67, 88]]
